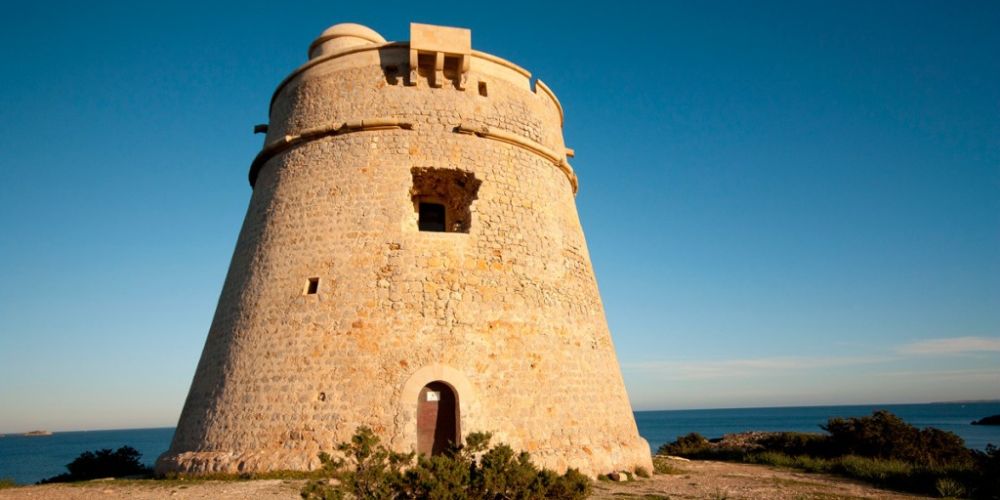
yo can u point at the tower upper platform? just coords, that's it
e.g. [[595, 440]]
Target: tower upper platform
[[435, 57]]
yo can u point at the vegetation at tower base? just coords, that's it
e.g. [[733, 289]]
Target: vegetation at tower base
[[881, 449], [472, 471], [103, 463]]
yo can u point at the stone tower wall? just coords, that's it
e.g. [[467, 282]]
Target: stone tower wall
[[508, 314]]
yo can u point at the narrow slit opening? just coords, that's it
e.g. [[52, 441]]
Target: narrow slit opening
[[312, 286]]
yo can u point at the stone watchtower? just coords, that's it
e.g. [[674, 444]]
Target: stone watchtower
[[412, 261]]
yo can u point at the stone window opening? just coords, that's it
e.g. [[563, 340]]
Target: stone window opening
[[452, 67], [312, 286], [482, 89], [442, 199]]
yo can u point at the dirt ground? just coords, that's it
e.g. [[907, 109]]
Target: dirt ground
[[691, 480], [732, 481], [153, 489]]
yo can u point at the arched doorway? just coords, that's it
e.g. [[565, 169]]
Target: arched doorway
[[437, 418]]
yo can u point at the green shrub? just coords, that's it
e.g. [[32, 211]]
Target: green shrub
[[7, 483], [664, 466], [796, 443], [690, 444], [124, 461], [949, 488], [873, 470], [987, 481], [812, 464], [504, 472], [775, 458], [434, 477], [938, 447], [571, 485], [803, 462], [370, 470], [367, 470], [642, 472], [884, 435]]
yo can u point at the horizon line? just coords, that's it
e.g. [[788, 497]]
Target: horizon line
[[964, 401]]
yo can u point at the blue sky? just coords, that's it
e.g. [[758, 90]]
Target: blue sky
[[786, 203]]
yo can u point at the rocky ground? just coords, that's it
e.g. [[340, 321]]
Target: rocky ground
[[688, 480]]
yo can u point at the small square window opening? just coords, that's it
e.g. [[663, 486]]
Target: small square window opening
[[432, 217]]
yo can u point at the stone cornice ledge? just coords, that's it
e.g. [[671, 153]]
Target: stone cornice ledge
[[290, 141], [522, 142]]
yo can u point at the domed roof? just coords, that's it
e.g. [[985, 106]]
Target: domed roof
[[343, 35], [352, 29]]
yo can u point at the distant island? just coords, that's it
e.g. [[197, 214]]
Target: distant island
[[961, 401], [991, 420], [38, 433]]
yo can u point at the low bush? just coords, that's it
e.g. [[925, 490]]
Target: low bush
[[802, 462], [811, 464], [987, 483], [123, 462], [687, 445], [796, 443], [664, 466], [873, 470], [884, 435], [7, 483], [775, 458], [369, 470], [948, 488]]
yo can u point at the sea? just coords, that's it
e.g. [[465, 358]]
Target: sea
[[27, 460]]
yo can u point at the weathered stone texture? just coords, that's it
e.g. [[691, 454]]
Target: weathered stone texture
[[508, 314]]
